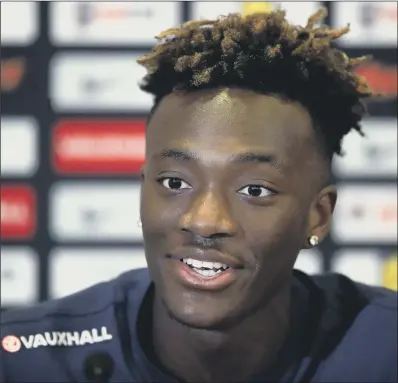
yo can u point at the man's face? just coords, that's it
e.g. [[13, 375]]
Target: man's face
[[229, 179]]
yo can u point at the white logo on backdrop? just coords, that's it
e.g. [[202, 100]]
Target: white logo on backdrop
[[371, 23], [364, 266], [19, 22], [19, 276], [366, 213], [89, 266], [19, 146], [112, 22], [95, 211], [372, 156], [297, 12], [98, 82]]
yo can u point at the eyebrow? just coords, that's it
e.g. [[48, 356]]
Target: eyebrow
[[248, 157]]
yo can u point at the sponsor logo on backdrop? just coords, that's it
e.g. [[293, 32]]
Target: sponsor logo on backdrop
[[364, 266], [372, 156], [309, 261], [250, 7], [372, 24], [18, 212], [366, 213], [12, 71], [390, 269], [19, 23], [89, 266], [382, 78], [95, 211], [12, 343], [296, 12], [99, 146], [19, 146], [90, 13], [19, 276], [97, 82], [111, 23], [372, 13]]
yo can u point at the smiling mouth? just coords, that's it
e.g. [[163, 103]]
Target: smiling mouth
[[205, 268], [207, 274]]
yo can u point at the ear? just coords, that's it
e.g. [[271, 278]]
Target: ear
[[320, 214], [142, 172], [142, 176]]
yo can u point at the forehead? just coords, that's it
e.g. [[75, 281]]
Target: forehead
[[230, 120]]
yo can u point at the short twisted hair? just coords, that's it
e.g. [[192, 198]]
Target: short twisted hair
[[264, 53]]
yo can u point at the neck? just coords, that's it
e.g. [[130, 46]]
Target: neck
[[246, 349]]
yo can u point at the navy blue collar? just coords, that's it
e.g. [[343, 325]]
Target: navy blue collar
[[148, 368]]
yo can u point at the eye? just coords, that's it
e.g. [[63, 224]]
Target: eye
[[174, 183], [256, 191]]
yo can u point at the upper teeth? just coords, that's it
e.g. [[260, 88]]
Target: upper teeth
[[208, 265]]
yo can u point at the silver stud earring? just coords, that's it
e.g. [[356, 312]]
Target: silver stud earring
[[139, 223], [313, 240]]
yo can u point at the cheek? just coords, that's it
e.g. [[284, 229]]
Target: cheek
[[159, 215], [154, 210], [278, 236]]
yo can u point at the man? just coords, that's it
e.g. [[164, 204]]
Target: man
[[248, 114]]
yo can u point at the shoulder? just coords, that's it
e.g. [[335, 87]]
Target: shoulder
[[81, 303], [89, 301], [377, 323], [367, 351], [362, 307], [72, 326]]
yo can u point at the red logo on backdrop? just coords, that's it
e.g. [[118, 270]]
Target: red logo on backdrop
[[18, 212], [98, 146], [381, 78], [12, 71]]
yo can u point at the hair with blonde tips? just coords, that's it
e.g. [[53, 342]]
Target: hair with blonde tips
[[265, 53]]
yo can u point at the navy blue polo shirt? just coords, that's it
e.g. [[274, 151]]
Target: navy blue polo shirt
[[341, 332]]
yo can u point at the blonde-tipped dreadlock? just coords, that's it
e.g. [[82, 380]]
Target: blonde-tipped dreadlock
[[266, 54]]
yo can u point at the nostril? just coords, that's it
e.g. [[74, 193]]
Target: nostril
[[220, 235]]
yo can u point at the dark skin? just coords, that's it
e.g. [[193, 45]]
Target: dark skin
[[260, 210]]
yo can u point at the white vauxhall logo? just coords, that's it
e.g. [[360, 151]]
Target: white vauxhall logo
[[12, 343]]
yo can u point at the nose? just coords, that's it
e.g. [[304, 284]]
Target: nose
[[209, 217]]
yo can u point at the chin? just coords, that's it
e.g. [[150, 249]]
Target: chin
[[208, 314]]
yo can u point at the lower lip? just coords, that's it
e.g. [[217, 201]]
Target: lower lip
[[191, 278]]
